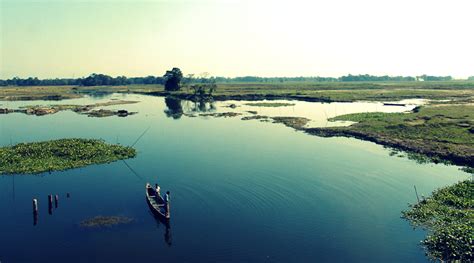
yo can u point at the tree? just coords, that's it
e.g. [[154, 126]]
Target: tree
[[173, 79]]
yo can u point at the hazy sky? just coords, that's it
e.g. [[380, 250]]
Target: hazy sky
[[236, 38]]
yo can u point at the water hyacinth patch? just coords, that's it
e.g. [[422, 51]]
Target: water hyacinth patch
[[449, 217], [57, 155]]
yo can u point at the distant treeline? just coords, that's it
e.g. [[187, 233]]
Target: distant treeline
[[105, 80]]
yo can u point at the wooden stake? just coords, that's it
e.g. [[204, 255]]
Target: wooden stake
[[56, 199], [35, 206], [50, 204]]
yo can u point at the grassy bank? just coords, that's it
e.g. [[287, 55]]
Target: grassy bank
[[448, 215], [310, 91], [441, 132], [56, 155]]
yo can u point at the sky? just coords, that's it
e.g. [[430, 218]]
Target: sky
[[74, 38]]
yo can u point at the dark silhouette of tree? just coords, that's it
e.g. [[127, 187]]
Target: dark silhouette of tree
[[172, 79]]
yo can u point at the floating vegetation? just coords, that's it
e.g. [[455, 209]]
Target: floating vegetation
[[81, 109], [292, 122], [105, 221], [256, 117], [107, 113], [449, 217], [220, 114], [57, 155], [297, 123], [269, 104]]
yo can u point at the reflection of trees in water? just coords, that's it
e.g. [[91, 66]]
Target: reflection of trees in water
[[201, 106], [176, 107]]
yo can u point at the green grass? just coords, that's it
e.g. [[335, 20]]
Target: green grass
[[56, 155], [443, 124], [440, 132], [449, 216]]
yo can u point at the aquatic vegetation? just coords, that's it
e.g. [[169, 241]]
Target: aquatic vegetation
[[439, 132], [81, 109], [62, 154], [105, 221], [220, 114], [448, 215], [255, 117], [270, 104], [292, 122], [107, 113]]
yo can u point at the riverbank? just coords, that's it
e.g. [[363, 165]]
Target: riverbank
[[439, 132], [58, 155]]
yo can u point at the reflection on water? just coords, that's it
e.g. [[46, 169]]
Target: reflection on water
[[174, 109], [165, 223], [318, 113]]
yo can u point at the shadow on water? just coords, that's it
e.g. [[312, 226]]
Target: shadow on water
[[166, 223]]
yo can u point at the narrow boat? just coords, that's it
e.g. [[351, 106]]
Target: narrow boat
[[156, 203]]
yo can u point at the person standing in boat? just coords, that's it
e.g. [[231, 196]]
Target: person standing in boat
[[167, 204], [157, 189]]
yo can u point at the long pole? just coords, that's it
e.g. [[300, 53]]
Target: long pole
[[416, 192]]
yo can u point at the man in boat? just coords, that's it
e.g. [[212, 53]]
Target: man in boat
[[167, 203], [157, 189]]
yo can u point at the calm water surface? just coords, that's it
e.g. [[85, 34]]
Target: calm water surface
[[241, 190]]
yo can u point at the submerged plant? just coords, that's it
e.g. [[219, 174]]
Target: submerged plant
[[105, 221]]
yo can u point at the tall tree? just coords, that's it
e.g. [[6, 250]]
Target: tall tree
[[172, 79]]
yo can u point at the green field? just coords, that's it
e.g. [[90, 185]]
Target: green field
[[317, 91]]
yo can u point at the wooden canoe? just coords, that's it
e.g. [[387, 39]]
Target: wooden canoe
[[156, 202]]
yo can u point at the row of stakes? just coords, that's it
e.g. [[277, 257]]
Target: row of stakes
[[50, 206]]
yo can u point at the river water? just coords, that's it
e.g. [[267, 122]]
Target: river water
[[241, 190]]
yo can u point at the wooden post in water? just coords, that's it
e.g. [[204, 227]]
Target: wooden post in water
[[35, 206], [50, 204], [35, 211], [56, 199], [68, 195]]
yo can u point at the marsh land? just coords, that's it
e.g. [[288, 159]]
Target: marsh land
[[192, 148]]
